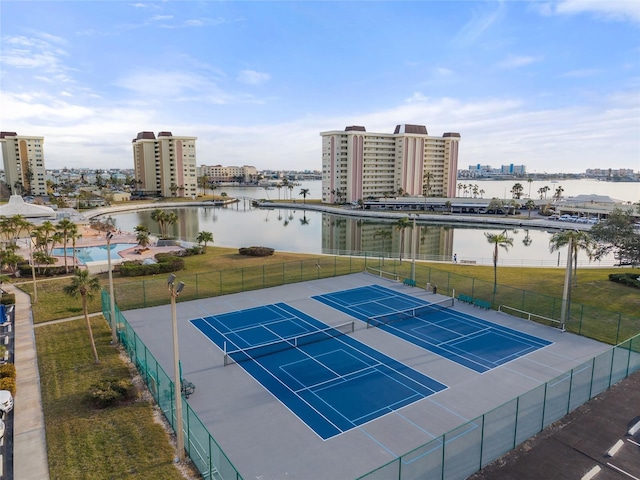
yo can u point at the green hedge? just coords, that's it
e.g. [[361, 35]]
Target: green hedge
[[166, 264], [25, 270], [256, 251], [629, 279], [8, 299]]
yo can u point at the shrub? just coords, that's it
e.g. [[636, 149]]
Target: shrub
[[8, 384], [167, 263], [629, 279], [8, 299], [8, 370], [111, 391], [24, 270], [256, 251]]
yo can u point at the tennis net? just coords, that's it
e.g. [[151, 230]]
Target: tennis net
[[401, 315], [250, 353]]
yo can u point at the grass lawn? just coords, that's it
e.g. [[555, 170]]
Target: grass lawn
[[125, 442], [222, 271], [83, 442]]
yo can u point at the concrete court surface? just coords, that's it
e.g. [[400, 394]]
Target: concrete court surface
[[263, 439]]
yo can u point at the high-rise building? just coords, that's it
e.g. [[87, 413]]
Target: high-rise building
[[23, 159], [357, 165], [165, 166]]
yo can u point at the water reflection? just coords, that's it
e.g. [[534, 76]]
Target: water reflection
[[241, 225]]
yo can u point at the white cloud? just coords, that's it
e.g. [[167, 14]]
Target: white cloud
[[479, 23], [585, 73], [251, 77], [168, 84], [612, 10], [160, 18], [517, 61], [30, 52]]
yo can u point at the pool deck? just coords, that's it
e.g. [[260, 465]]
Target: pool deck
[[93, 238]]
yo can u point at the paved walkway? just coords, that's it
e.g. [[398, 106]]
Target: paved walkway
[[29, 440]]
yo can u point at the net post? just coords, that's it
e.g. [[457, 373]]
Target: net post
[[224, 349]]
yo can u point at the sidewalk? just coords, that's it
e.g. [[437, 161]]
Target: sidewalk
[[29, 441]]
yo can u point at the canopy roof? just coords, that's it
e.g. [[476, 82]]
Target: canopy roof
[[17, 206]]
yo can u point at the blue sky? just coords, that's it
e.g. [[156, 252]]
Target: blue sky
[[553, 85]]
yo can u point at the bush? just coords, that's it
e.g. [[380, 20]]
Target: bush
[[629, 279], [110, 392], [24, 270], [256, 251], [8, 299], [8, 384], [167, 263], [8, 370]]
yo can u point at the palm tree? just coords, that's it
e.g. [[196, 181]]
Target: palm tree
[[304, 192], [579, 241], [498, 240], [202, 183], [84, 285], [426, 184], [385, 235], [530, 205], [67, 229], [160, 216], [401, 225], [204, 238], [542, 191], [495, 204], [44, 236], [558, 193], [516, 191], [142, 236], [164, 220], [172, 219], [530, 181]]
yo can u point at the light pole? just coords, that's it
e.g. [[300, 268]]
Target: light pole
[[413, 249], [114, 330], [566, 293], [174, 291], [33, 270]]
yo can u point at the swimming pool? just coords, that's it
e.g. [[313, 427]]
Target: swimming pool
[[92, 254]]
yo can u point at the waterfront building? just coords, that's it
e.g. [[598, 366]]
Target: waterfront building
[[512, 169], [359, 165], [165, 166], [23, 158], [609, 173], [218, 173]]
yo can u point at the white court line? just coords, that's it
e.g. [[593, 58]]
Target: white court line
[[623, 472]]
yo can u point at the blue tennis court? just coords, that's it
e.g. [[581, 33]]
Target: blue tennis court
[[467, 340], [331, 381]]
